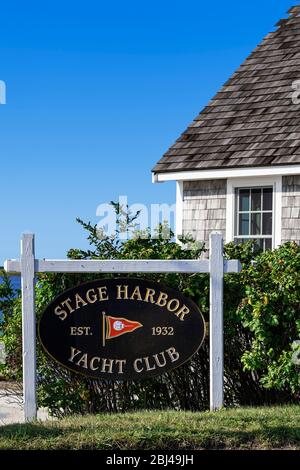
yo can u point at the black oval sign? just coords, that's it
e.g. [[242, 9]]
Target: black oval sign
[[121, 329]]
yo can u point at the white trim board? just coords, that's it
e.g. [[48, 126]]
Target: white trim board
[[13, 266], [179, 210], [276, 182], [226, 173]]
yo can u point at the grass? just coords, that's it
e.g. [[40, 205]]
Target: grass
[[238, 428]]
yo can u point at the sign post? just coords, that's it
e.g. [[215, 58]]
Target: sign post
[[28, 266], [216, 340], [28, 326]]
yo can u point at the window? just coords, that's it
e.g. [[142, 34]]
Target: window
[[254, 216]]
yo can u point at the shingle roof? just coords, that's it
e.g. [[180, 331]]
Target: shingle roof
[[252, 121]]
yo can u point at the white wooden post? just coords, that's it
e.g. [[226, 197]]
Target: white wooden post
[[216, 346], [28, 327]]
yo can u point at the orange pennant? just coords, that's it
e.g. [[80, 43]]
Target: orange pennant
[[116, 326]]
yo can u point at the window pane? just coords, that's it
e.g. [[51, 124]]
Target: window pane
[[243, 224], [267, 199], [268, 243], [255, 224], [267, 223], [244, 200], [253, 216], [256, 199], [259, 243]]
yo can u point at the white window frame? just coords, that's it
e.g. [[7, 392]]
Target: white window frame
[[258, 181], [179, 211]]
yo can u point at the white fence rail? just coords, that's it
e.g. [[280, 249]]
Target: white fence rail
[[28, 266]]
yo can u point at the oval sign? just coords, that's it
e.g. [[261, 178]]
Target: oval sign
[[121, 329]]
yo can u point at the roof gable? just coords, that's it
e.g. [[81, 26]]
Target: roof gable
[[252, 120]]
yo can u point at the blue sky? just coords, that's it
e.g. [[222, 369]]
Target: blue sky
[[96, 92]]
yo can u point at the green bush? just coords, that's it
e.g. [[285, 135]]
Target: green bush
[[271, 312], [261, 321]]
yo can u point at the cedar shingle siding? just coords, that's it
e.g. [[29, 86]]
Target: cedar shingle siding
[[252, 120], [204, 208], [290, 208]]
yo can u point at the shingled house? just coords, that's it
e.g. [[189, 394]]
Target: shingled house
[[237, 166]]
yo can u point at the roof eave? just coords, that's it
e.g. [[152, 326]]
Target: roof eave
[[280, 170]]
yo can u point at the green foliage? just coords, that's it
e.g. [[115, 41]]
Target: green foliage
[[270, 311], [261, 322], [11, 328]]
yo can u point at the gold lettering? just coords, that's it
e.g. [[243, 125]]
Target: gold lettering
[[107, 363], [136, 293], [80, 330], [94, 359], [182, 312], [91, 300], [135, 365], [83, 360], [67, 304], [148, 367], [157, 360], [120, 363], [79, 300], [177, 303], [102, 293], [62, 314], [174, 355], [149, 294], [162, 299], [74, 353], [122, 290]]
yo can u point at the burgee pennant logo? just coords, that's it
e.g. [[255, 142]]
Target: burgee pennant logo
[[112, 327]]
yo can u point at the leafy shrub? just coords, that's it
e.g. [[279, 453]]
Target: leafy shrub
[[271, 312]]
